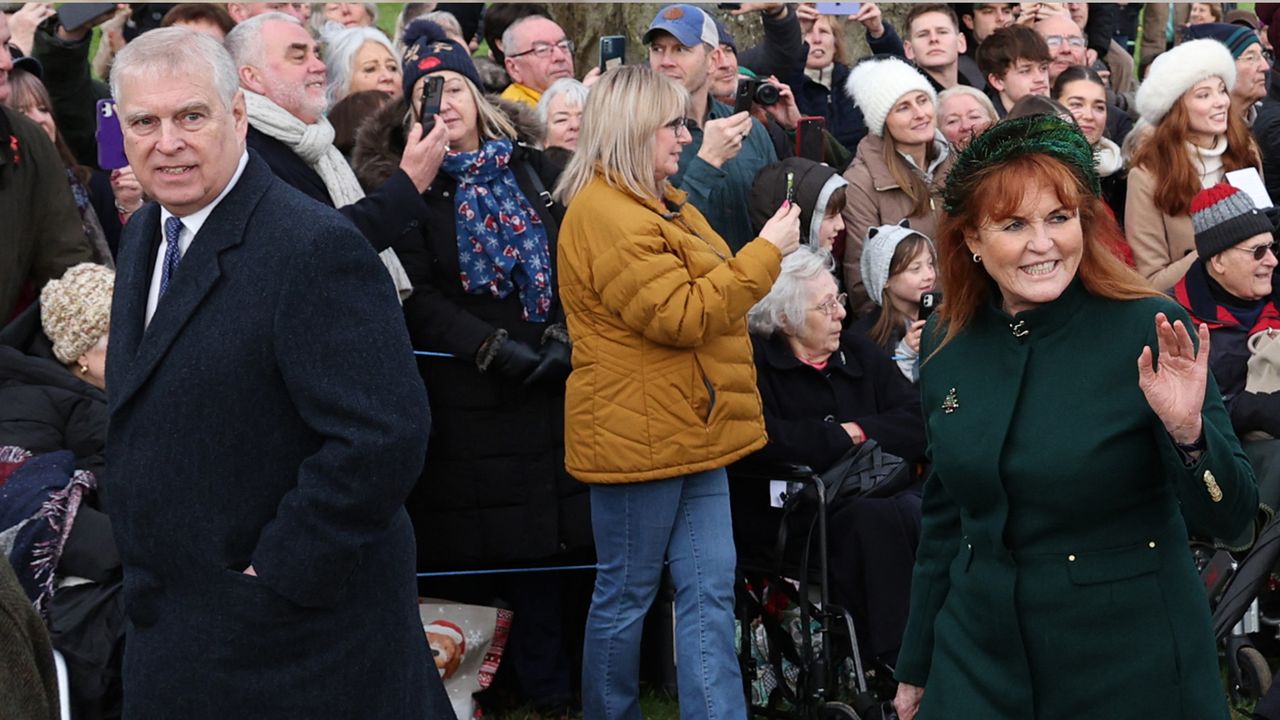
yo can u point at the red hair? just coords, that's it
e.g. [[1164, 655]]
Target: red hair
[[998, 192], [1177, 179]]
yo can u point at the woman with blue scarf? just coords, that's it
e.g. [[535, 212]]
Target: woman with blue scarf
[[494, 491]]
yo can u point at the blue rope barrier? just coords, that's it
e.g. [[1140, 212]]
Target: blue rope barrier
[[424, 353], [506, 571]]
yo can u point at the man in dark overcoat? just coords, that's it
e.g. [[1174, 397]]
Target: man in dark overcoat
[[267, 423]]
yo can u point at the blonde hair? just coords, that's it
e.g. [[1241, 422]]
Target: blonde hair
[[624, 111], [491, 122]]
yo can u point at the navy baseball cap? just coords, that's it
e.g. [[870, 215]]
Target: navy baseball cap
[[687, 24]]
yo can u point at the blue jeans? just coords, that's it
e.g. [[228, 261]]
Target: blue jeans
[[684, 520]]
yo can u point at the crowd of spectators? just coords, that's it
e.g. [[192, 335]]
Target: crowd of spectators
[[538, 399]]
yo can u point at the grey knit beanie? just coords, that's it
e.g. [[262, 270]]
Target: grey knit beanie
[[877, 256], [75, 310], [1223, 217]]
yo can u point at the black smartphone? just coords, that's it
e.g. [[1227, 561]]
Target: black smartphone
[[729, 6], [928, 303], [74, 16], [811, 144], [613, 51], [746, 95], [790, 195], [432, 90]]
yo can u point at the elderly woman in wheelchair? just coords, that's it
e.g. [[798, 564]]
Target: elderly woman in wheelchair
[[826, 393]]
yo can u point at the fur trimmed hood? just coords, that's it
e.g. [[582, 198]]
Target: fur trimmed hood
[[381, 138]]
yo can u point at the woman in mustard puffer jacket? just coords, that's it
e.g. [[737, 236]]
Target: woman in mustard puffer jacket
[[663, 392]]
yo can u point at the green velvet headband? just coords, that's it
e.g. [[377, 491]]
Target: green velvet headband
[[1032, 135]]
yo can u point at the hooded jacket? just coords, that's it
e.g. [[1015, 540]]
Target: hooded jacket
[[663, 382], [813, 185], [875, 198]]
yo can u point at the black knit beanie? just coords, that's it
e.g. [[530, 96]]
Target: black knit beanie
[[1223, 217]]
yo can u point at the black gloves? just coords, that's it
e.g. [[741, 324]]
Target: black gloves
[[517, 360]]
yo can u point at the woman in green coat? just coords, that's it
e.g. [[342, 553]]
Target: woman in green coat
[[1075, 435]]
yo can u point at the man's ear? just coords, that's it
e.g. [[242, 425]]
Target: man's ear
[[513, 71], [962, 43], [251, 79], [968, 21], [995, 81], [908, 51]]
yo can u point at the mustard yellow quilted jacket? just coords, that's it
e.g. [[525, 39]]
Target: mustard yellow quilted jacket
[[663, 382]]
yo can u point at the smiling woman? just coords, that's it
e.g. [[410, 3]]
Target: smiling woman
[[900, 166], [1195, 141], [1066, 466]]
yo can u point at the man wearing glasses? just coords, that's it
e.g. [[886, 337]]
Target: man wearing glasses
[[537, 54], [1232, 287]]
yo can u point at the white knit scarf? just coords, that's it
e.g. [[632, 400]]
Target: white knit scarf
[[314, 144], [1209, 161]]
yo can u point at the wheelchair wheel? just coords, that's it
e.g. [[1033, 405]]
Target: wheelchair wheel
[[1255, 674], [838, 711]]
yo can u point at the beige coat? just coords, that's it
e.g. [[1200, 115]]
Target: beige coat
[[1164, 246], [874, 198]]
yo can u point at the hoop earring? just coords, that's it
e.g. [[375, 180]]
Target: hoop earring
[[977, 258]]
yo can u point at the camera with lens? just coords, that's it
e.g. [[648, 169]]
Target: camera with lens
[[754, 91]]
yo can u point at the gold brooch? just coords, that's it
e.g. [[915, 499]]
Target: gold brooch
[[951, 403]]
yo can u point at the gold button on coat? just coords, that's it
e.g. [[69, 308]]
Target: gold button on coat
[[1211, 484]]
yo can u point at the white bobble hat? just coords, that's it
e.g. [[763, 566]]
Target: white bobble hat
[[1175, 71], [876, 84]]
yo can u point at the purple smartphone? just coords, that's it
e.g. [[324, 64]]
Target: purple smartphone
[[839, 8], [110, 140]]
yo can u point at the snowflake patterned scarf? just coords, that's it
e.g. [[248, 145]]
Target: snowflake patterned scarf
[[502, 244]]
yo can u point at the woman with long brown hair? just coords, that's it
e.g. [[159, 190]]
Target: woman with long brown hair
[[1067, 466], [1193, 141], [900, 166]]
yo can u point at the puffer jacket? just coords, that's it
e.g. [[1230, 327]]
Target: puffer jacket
[[875, 198], [663, 381]]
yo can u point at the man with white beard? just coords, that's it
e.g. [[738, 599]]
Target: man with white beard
[[283, 79]]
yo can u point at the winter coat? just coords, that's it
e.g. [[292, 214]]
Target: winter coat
[[663, 383], [1164, 246], [44, 407], [73, 90], [844, 119], [28, 680], [804, 406], [1053, 579], [269, 416], [42, 234], [1229, 347], [494, 488], [874, 198], [1266, 130]]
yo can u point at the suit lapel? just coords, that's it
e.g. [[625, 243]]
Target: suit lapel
[[195, 278], [138, 245]]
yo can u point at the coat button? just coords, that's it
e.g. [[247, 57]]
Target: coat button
[[445, 193], [1152, 544], [1211, 485], [1071, 558]]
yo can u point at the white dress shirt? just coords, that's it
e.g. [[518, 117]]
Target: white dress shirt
[[191, 225]]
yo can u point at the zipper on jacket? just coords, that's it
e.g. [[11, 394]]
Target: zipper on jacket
[[711, 396]]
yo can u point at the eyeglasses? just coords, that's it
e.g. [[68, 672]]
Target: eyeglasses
[[1259, 252], [542, 50], [830, 307], [687, 123], [1053, 41]]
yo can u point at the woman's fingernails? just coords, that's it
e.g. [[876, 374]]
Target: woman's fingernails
[[786, 204]]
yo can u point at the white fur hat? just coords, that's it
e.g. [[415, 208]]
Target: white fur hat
[[1175, 71], [876, 84]]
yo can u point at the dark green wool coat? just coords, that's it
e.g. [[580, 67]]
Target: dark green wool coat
[[1053, 579]]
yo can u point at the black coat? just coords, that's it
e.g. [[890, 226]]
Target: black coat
[[803, 406], [494, 489], [269, 416], [381, 216]]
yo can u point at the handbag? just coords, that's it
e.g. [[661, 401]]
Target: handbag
[[1264, 369], [865, 470]]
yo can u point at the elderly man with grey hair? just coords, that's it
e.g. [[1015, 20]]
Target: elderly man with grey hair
[[283, 79], [538, 53], [267, 424]]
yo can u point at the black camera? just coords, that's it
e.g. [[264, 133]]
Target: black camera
[[754, 91]]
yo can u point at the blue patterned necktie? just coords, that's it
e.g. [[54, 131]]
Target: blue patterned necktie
[[172, 255]]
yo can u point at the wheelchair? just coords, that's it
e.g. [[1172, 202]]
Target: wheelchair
[[798, 651]]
